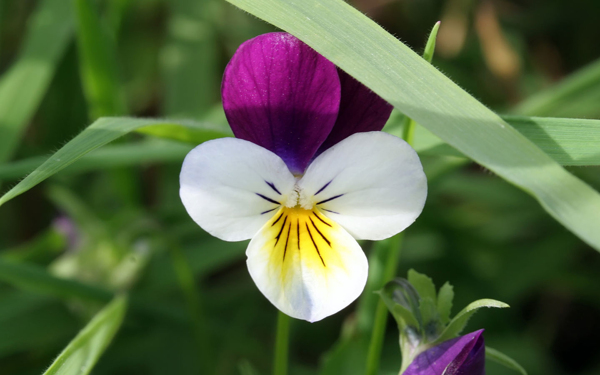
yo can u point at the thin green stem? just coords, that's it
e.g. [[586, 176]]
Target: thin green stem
[[280, 363], [409, 130], [381, 313], [185, 276]]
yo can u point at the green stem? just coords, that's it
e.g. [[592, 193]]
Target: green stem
[[409, 131], [187, 283], [381, 314], [280, 363]]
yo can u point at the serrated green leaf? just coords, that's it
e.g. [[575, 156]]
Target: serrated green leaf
[[80, 356], [96, 135], [458, 323], [422, 284], [388, 67], [444, 302], [504, 360], [23, 86]]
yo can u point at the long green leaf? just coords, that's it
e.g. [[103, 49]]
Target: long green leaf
[[458, 323], [100, 133], [24, 85], [504, 360], [80, 356], [113, 156], [575, 96], [97, 63], [570, 142], [366, 51]]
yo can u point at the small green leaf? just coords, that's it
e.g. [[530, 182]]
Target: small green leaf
[[423, 284], [444, 302], [80, 356], [504, 360], [460, 320], [430, 46]]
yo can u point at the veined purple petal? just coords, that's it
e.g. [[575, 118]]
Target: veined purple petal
[[463, 355], [361, 110], [282, 95]]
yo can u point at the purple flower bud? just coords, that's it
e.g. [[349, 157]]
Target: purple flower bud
[[464, 355]]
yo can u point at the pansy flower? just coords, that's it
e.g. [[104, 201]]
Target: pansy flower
[[308, 174], [464, 355]]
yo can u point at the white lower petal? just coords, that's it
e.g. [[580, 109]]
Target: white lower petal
[[371, 183], [306, 265], [232, 187]]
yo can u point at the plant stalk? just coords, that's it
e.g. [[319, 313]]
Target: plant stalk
[[381, 313], [280, 363]]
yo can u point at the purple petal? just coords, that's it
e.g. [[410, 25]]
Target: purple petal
[[463, 355], [282, 95], [361, 110]]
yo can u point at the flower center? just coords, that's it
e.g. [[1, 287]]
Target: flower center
[[299, 199]]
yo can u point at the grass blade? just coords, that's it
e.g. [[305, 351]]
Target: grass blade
[[388, 67], [98, 134], [80, 356], [190, 59], [570, 142], [23, 86], [114, 156], [504, 360], [97, 63], [458, 323], [575, 96]]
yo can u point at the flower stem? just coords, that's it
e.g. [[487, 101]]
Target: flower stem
[[381, 313], [185, 276], [280, 363]]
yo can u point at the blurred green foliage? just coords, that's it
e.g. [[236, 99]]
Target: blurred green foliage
[[113, 221]]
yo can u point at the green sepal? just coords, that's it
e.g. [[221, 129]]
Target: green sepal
[[444, 302], [422, 284], [403, 302]]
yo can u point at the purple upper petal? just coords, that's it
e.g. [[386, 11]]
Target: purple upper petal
[[282, 95], [361, 110], [463, 355]]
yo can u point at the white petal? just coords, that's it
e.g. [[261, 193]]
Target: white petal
[[306, 265], [371, 183], [225, 184]]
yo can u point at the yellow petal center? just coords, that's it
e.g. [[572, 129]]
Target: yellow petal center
[[301, 238]]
